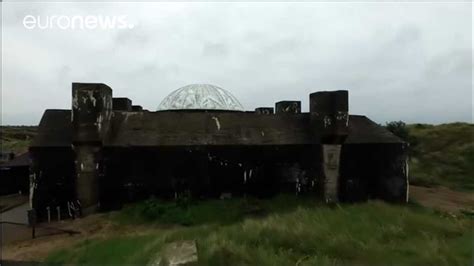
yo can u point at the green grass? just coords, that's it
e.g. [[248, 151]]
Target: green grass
[[115, 251], [443, 156], [287, 231], [17, 138], [206, 212]]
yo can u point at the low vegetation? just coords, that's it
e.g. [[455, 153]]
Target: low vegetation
[[16, 139], [439, 154], [283, 231], [443, 155]]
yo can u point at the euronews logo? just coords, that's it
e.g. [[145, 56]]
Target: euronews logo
[[89, 22]]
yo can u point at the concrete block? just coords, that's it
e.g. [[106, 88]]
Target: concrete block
[[288, 107], [264, 110], [121, 104], [137, 108], [91, 111], [178, 253], [329, 111]]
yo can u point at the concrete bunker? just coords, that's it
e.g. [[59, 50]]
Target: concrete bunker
[[201, 143]]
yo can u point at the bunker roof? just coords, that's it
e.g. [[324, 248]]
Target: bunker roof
[[19, 161], [182, 128]]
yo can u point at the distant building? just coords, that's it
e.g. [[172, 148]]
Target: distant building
[[14, 175], [200, 142], [6, 156]]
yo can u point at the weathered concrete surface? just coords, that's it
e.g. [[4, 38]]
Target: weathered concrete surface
[[91, 111], [87, 176], [331, 168], [288, 107], [91, 114], [178, 253], [330, 115], [176, 128], [199, 128]]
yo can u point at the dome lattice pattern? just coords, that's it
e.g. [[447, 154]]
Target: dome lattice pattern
[[200, 96]]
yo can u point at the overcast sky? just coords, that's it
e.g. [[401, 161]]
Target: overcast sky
[[410, 62]]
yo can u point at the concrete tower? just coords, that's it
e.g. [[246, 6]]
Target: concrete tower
[[91, 113], [330, 122]]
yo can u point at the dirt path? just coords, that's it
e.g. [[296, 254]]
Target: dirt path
[[93, 226], [443, 199], [37, 249]]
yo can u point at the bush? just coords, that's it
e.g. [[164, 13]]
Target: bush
[[401, 130]]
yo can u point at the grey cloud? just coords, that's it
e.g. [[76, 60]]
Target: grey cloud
[[215, 49], [455, 62], [399, 61], [137, 38]]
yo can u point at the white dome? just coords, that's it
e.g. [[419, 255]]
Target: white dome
[[200, 96]]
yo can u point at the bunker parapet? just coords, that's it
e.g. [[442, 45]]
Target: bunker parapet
[[329, 111], [288, 107]]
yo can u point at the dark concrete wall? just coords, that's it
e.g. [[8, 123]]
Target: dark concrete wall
[[14, 180], [174, 128], [52, 175], [371, 171], [207, 171], [367, 171]]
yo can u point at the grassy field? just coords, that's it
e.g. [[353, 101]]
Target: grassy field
[[444, 155], [17, 138], [283, 231]]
